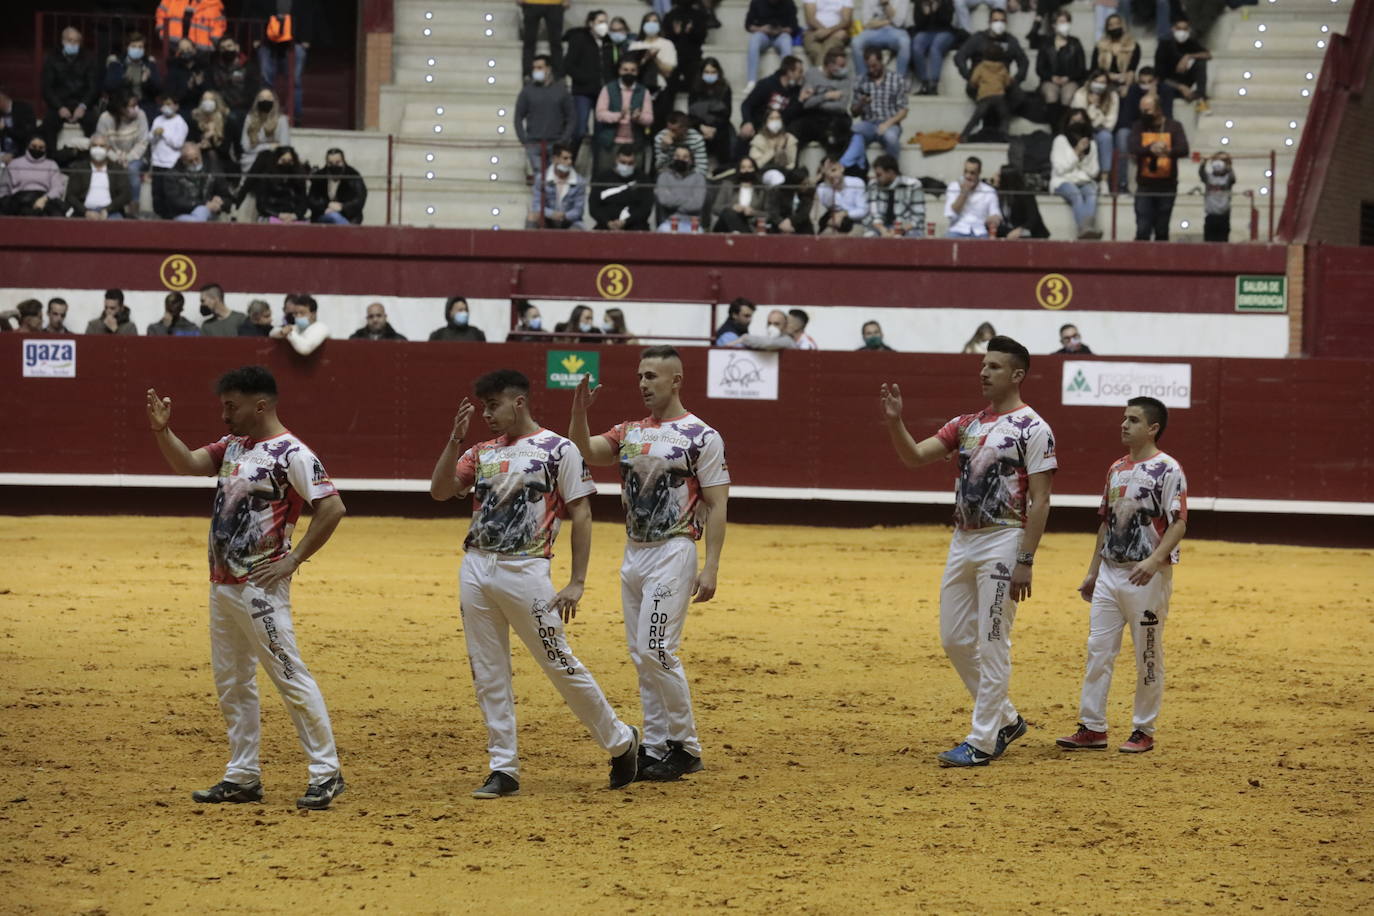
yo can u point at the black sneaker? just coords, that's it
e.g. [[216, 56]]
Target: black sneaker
[[319, 797], [645, 761], [229, 792], [498, 784], [625, 767], [1007, 734], [674, 766]]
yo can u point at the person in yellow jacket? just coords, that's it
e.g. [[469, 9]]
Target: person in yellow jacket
[[202, 21]]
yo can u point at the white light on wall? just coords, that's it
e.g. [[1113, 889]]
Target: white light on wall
[[438, 128], [429, 210], [429, 14], [1321, 44], [491, 64], [428, 32], [431, 62], [1306, 93], [491, 81], [1230, 124], [495, 211], [1225, 140], [1268, 173], [493, 176], [1287, 141], [439, 109], [1247, 74], [1325, 29], [500, 128], [1264, 191], [429, 176], [489, 33], [429, 157], [1310, 75], [496, 228], [1183, 224], [500, 112], [494, 160], [1263, 27], [488, 17], [1292, 125], [1258, 43], [1240, 91], [429, 77]]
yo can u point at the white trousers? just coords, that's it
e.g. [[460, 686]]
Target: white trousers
[[499, 594], [976, 613], [655, 590], [249, 625], [1116, 605]]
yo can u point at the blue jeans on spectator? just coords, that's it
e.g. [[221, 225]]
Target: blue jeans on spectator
[[929, 50], [1102, 13], [963, 11], [890, 37], [865, 132], [762, 41], [1152, 213], [1083, 199], [136, 169], [1123, 160], [333, 218], [583, 105], [200, 214], [270, 55], [1103, 137]]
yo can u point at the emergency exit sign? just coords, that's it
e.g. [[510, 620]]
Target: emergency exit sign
[[1261, 293]]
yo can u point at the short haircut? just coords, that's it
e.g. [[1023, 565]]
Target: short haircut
[[29, 308], [976, 161], [663, 351], [1020, 356], [522, 307], [800, 315], [887, 164], [558, 148], [308, 301], [258, 307], [500, 381], [1181, 18], [538, 57], [133, 38], [1065, 327], [738, 303], [625, 149], [116, 294], [448, 306], [790, 63], [872, 322], [683, 146], [213, 288], [56, 300], [335, 151], [677, 117], [835, 54], [247, 380], [873, 52], [1154, 411], [1145, 71], [173, 299], [994, 11]]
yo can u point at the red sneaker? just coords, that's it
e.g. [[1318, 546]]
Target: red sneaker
[[1085, 739], [1138, 743]]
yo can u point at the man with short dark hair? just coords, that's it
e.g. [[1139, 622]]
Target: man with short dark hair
[[303, 329], [376, 326], [972, 51], [457, 323], [337, 192], [736, 323], [1070, 341], [1001, 503], [57, 317], [544, 115], [221, 321], [622, 197], [524, 480], [1144, 514], [780, 93], [624, 111], [896, 202], [880, 106], [173, 323], [560, 196], [27, 316], [825, 96], [1157, 144], [972, 210], [114, 316], [266, 475], [680, 132], [873, 337], [797, 320], [1181, 61]]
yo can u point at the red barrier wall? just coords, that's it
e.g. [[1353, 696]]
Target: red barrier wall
[[1258, 429], [1338, 318]]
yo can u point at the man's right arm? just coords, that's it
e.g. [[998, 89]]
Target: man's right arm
[[597, 451], [179, 458], [913, 454]]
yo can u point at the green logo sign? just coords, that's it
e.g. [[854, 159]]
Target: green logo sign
[[1260, 293], [566, 368], [1079, 383]]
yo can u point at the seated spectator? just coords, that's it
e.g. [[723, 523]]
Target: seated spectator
[[613, 324], [685, 25], [896, 203], [880, 107], [1061, 65], [680, 193], [590, 64], [70, 91], [188, 76], [337, 192], [1100, 101], [303, 330], [1128, 113], [1217, 180], [797, 320], [623, 110], [17, 124], [220, 320], [114, 316], [885, 25], [657, 62], [775, 148], [376, 327], [933, 34], [825, 96], [57, 317], [873, 337], [561, 196], [972, 52], [828, 24], [679, 132], [529, 326], [27, 317], [1181, 61], [770, 24], [96, 187], [210, 129], [736, 323], [134, 75], [776, 335], [1157, 144], [173, 323], [978, 343], [1071, 342], [193, 193], [278, 185], [788, 206], [32, 184], [168, 135], [1018, 212], [580, 326], [775, 96], [992, 82], [843, 199], [1073, 175], [1117, 53], [709, 106], [739, 200], [125, 126], [259, 321], [230, 77], [544, 115], [971, 206], [264, 129], [622, 197], [456, 323]]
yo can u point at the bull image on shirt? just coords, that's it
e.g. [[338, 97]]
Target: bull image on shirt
[[1134, 523], [240, 527], [650, 495], [989, 477], [510, 510]]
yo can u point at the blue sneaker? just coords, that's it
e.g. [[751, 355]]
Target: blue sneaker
[[1007, 734], [964, 755]]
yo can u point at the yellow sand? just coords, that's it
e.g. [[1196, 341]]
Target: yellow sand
[[822, 695]]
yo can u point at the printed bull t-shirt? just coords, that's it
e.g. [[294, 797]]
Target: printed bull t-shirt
[[663, 466], [521, 489], [997, 454], [1141, 500], [263, 484]]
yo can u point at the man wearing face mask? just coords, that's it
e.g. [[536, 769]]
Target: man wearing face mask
[[622, 197], [873, 337], [590, 63], [135, 73], [825, 96], [1157, 144], [70, 90], [681, 194], [96, 187], [456, 325], [776, 335], [192, 193], [32, 184], [220, 321], [303, 329], [528, 319], [187, 76], [259, 323], [624, 109], [972, 52], [1181, 62], [337, 192], [544, 115], [774, 96], [167, 136], [550, 12], [963, 11], [1217, 180], [173, 323], [680, 132], [561, 196]]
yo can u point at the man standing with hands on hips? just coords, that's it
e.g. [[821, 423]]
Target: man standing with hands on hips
[[1001, 504], [674, 487]]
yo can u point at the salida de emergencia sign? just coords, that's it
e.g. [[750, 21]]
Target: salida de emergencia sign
[[1260, 293]]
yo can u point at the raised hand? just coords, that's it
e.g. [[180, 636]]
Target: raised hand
[[462, 419], [890, 400], [159, 411], [584, 395]]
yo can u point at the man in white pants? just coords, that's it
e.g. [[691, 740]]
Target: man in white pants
[[266, 475], [1144, 517], [1001, 503], [674, 487], [525, 480]]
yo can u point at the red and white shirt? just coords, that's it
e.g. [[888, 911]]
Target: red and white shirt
[[1142, 499], [663, 466], [997, 454], [263, 484]]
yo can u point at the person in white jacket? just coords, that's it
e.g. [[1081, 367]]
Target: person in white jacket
[[165, 139], [303, 330], [1102, 104], [1074, 170]]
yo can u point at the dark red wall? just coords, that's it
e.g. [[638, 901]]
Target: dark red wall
[[1339, 312], [1265, 429]]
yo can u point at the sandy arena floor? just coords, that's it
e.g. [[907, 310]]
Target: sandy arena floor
[[822, 694]]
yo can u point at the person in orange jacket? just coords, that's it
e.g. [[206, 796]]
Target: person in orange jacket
[[202, 21]]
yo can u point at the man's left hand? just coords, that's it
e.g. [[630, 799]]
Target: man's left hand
[[268, 573], [565, 602], [704, 585], [1020, 583], [1144, 571]]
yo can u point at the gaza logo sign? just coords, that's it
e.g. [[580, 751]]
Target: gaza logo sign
[[1097, 383], [49, 358]]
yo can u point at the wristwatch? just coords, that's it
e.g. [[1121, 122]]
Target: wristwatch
[[1025, 559]]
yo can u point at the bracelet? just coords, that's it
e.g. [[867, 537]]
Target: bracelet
[[453, 441], [1025, 559]]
